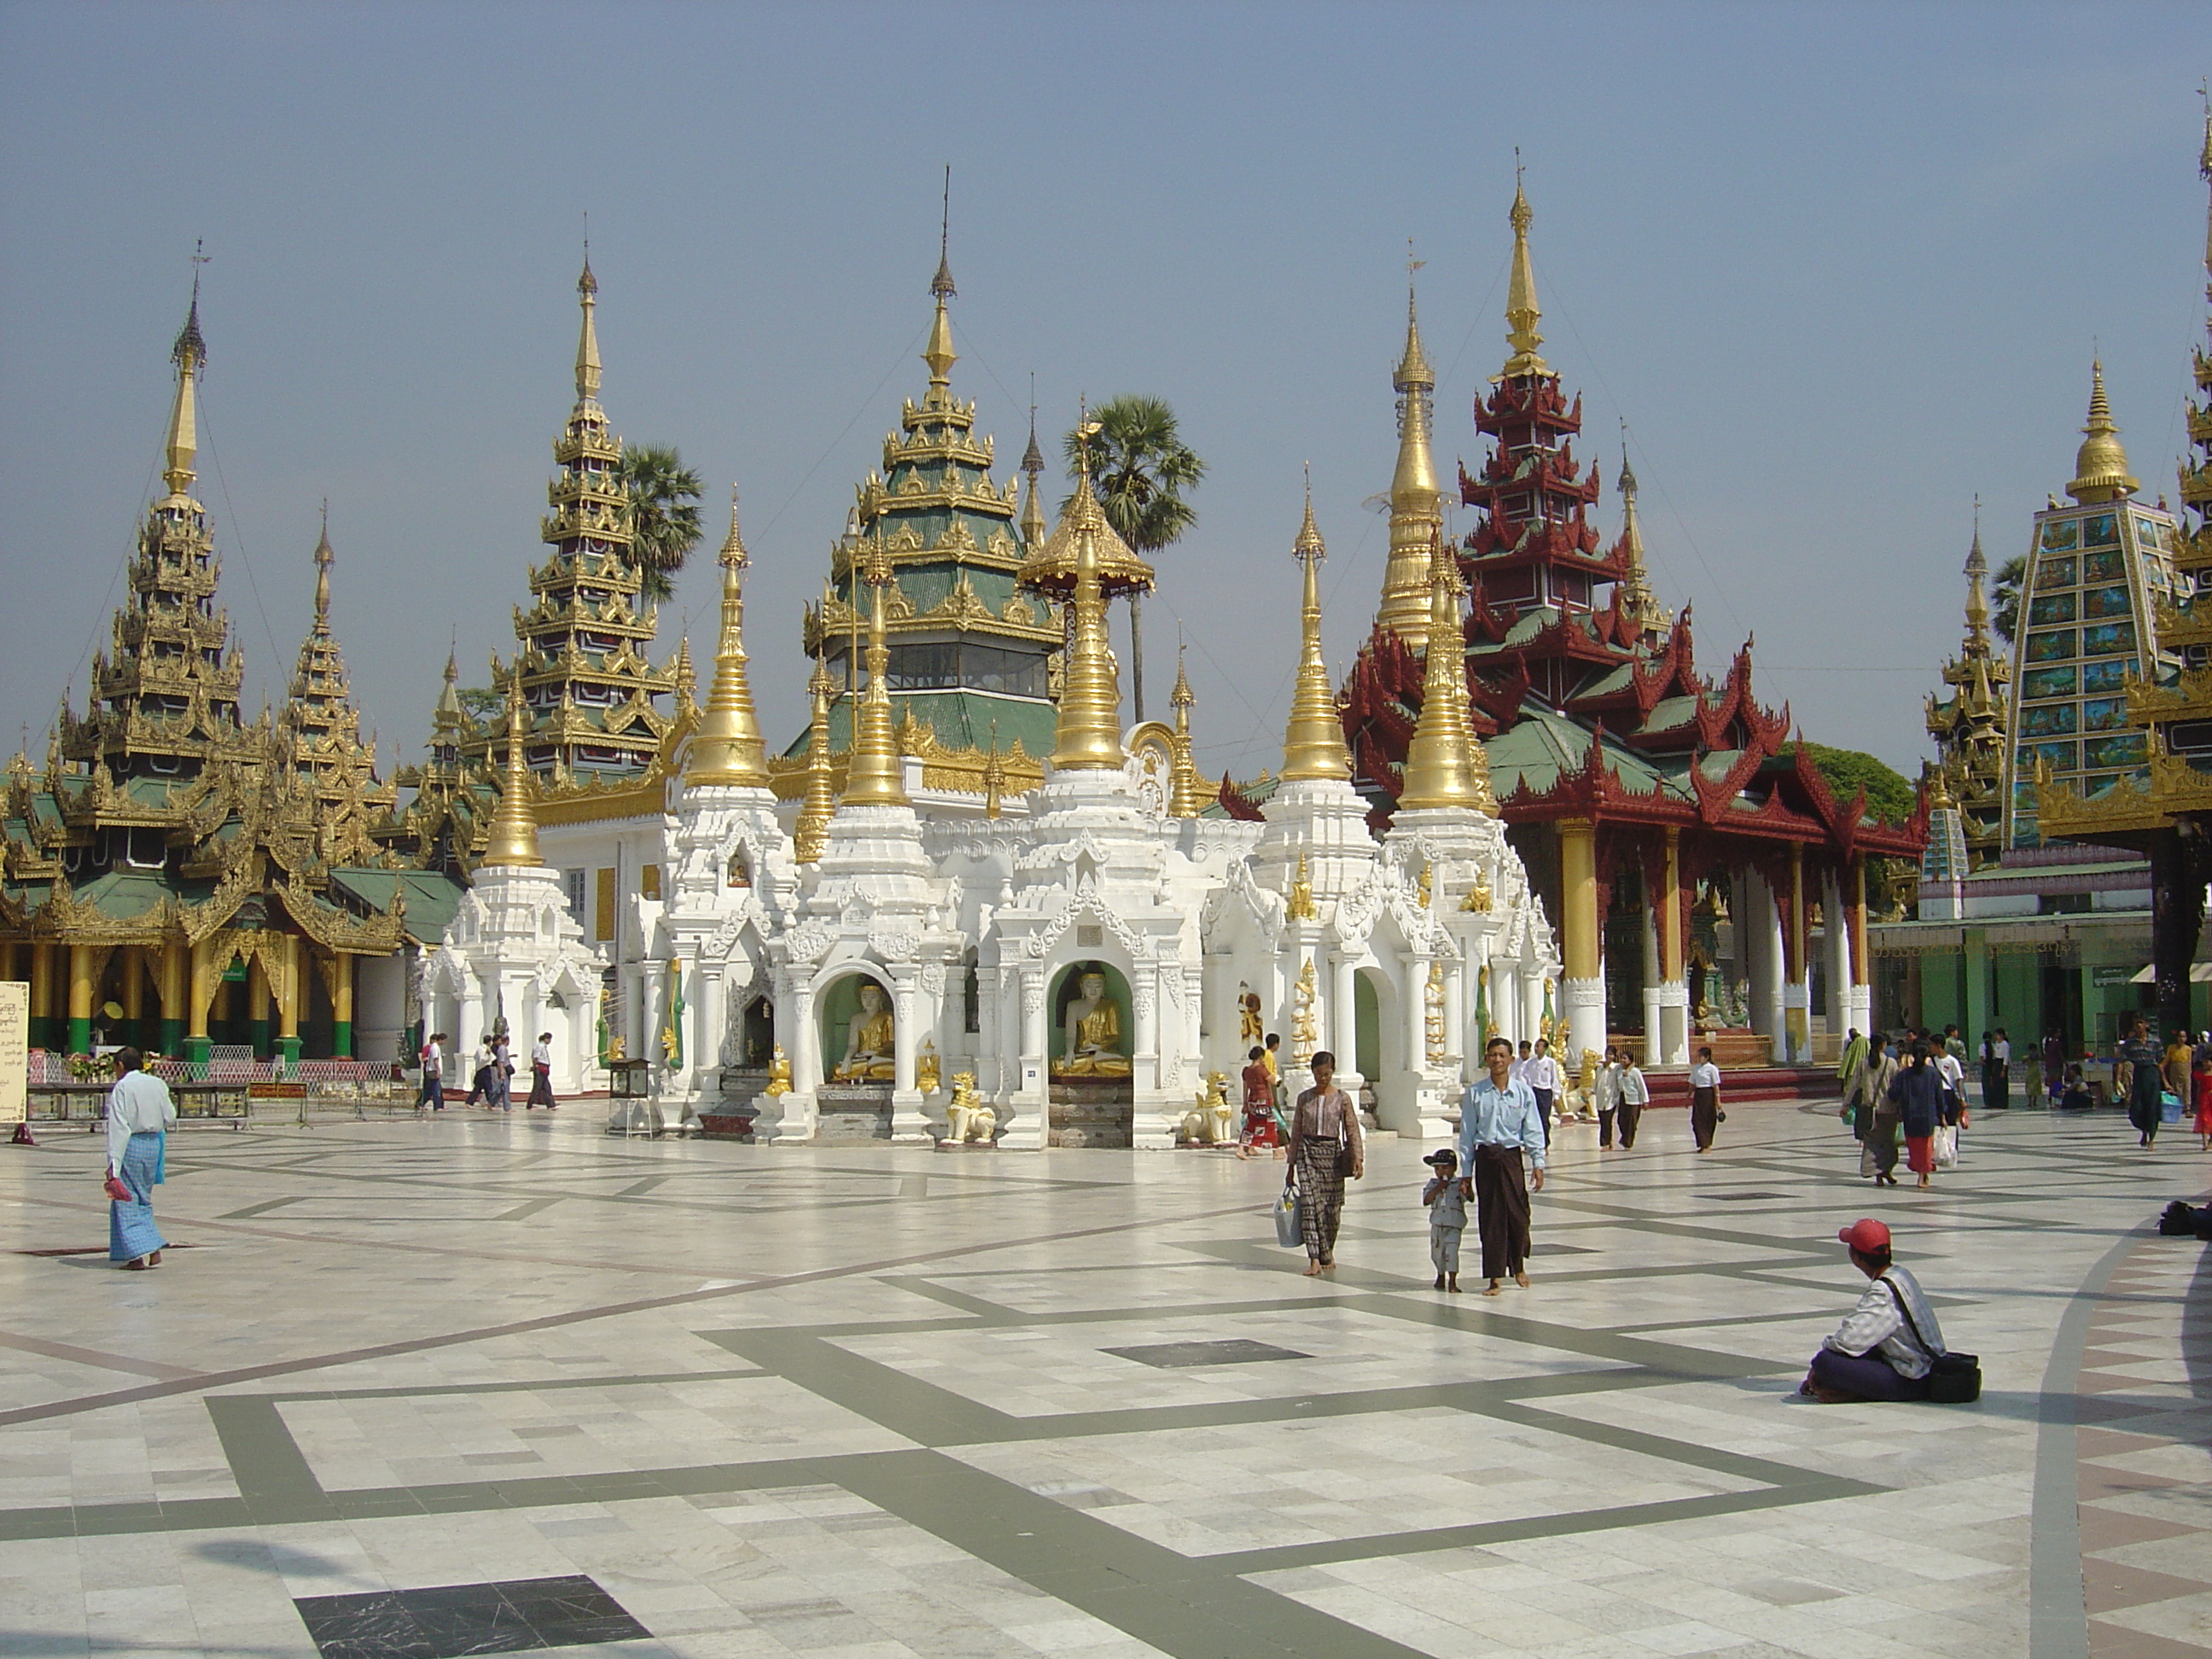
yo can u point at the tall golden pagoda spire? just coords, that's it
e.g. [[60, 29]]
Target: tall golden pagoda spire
[[324, 558], [587, 340], [1416, 502], [939, 353], [2101, 466], [810, 836], [1444, 765], [515, 827], [1033, 524], [1637, 600], [872, 769], [190, 355], [728, 747], [1523, 313], [1977, 602], [1313, 746], [1089, 732], [1186, 797]]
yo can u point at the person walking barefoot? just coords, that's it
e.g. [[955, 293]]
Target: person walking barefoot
[[1499, 1124]]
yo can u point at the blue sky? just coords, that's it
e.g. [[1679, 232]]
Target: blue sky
[[1839, 269]]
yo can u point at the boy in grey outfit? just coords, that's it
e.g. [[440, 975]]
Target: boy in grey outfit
[[1446, 1202]]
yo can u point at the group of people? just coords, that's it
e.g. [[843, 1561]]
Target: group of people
[[491, 1079], [1916, 1088], [2183, 1069]]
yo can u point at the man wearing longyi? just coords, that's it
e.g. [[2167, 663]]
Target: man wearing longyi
[[1499, 1123]]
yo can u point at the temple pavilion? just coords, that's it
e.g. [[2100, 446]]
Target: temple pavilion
[[176, 877], [1687, 849]]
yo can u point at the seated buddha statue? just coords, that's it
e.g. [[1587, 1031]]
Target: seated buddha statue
[[868, 1041], [1094, 1034]]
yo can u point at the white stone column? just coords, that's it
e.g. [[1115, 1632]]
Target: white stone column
[[1344, 1011], [1505, 997], [1532, 1006], [1027, 1117], [1458, 1009], [909, 1116], [990, 1060], [1835, 938], [1766, 985], [1654, 1040], [802, 1047], [1414, 1008], [1150, 1126]]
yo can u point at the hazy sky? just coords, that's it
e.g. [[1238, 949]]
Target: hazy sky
[[1838, 268]]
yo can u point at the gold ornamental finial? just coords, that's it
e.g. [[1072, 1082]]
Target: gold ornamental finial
[[1033, 525], [1089, 734], [514, 826], [587, 342], [2101, 466], [1638, 602], [811, 833], [1186, 797], [995, 777], [1313, 747], [1440, 766], [1977, 603], [1416, 502], [727, 748], [449, 695], [1523, 313], [939, 353], [873, 773], [190, 355], [1414, 367], [324, 559]]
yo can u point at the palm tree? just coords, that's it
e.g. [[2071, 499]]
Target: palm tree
[[664, 514], [2004, 596], [1140, 469]]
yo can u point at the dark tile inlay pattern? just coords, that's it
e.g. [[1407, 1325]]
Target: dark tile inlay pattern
[[1175, 1356], [453, 1619]]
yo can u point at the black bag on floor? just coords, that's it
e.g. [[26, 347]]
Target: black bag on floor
[[1953, 1378], [2182, 1219]]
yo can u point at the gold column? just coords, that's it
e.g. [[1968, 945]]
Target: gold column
[[134, 986], [287, 992], [1578, 895], [1671, 953], [8, 960], [257, 992], [203, 983], [80, 998], [176, 970], [42, 981], [341, 966]]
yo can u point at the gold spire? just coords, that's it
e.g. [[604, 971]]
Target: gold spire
[[727, 748], [687, 679], [449, 696], [873, 768], [1090, 726], [1033, 525], [324, 559], [514, 826], [939, 353], [2101, 466], [1638, 602], [1313, 747], [1185, 798], [1977, 603], [995, 777], [587, 343], [190, 355], [1521, 311], [1416, 503], [811, 833], [1441, 763]]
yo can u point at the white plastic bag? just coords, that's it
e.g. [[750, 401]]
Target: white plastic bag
[[1946, 1146], [1290, 1226]]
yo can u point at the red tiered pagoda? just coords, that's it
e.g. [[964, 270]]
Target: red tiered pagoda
[[1651, 804]]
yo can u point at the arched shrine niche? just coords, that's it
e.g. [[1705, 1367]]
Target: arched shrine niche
[[1092, 1031], [858, 1030]]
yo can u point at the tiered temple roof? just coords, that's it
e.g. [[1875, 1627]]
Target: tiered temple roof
[[1971, 726], [969, 651]]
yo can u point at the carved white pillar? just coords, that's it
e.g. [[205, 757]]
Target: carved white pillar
[[990, 1060], [1344, 1010], [1458, 1016], [1655, 1036], [1505, 997], [1025, 1116], [909, 1121], [1532, 1006]]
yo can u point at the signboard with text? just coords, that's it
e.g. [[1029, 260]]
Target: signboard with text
[[15, 1048]]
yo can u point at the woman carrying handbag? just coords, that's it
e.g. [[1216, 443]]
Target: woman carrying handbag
[[1325, 1147]]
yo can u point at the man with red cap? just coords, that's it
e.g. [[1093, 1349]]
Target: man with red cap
[[1888, 1346]]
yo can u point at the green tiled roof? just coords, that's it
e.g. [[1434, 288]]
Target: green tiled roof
[[432, 896]]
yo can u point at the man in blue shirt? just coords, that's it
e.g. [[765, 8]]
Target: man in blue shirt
[[1499, 1121]]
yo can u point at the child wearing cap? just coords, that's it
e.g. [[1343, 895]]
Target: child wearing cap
[[1446, 1203], [1886, 1349]]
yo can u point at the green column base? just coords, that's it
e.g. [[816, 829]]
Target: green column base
[[289, 1047], [42, 1032], [256, 1033], [80, 1034], [173, 1036], [196, 1048], [342, 1039]]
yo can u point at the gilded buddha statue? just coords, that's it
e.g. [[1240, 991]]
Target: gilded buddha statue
[[868, 1041], [1094, 1034]]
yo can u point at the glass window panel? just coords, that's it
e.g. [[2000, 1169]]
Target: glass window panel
[[2107, 676], [2099, 528], [2047, 683], [2104, 714], [2055, 573], [2051, 608], [2105, 638], [2109, 565], [2146, 533], [2061, 535], [2128, 749], [2049, 719], [2060, 755], [2051, 647], [2106, 601]]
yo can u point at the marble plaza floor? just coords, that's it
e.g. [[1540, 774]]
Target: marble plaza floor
[[475, 1384]]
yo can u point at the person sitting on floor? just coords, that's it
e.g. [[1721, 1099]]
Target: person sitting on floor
[[1886, 1349]]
